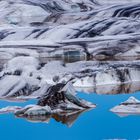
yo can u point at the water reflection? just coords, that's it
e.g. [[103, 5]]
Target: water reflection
[[126, 88], [126, 114], [65, 118]]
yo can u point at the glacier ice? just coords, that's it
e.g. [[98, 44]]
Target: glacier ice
[[129, 107]]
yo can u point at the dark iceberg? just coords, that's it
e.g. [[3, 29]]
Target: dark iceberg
[[59, 102]]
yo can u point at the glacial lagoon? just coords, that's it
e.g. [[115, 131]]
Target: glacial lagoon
[[95, 124]]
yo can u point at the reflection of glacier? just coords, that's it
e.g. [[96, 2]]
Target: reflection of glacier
[[125, 88]]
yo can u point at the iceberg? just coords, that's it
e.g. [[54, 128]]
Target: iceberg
[[129, 107]]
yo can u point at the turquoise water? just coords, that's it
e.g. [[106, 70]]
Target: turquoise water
[[97, 124]]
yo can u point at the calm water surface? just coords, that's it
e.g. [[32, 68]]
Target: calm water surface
[[97, 124]]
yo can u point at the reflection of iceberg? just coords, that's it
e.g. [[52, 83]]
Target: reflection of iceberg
[[68, 118], [65, 118], [34, 113], [38, 118], [129, 107]]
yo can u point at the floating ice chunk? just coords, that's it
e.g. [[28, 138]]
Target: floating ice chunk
[[60, 96], [38, 110], [132, 100], [9, 109], [129, 107]]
